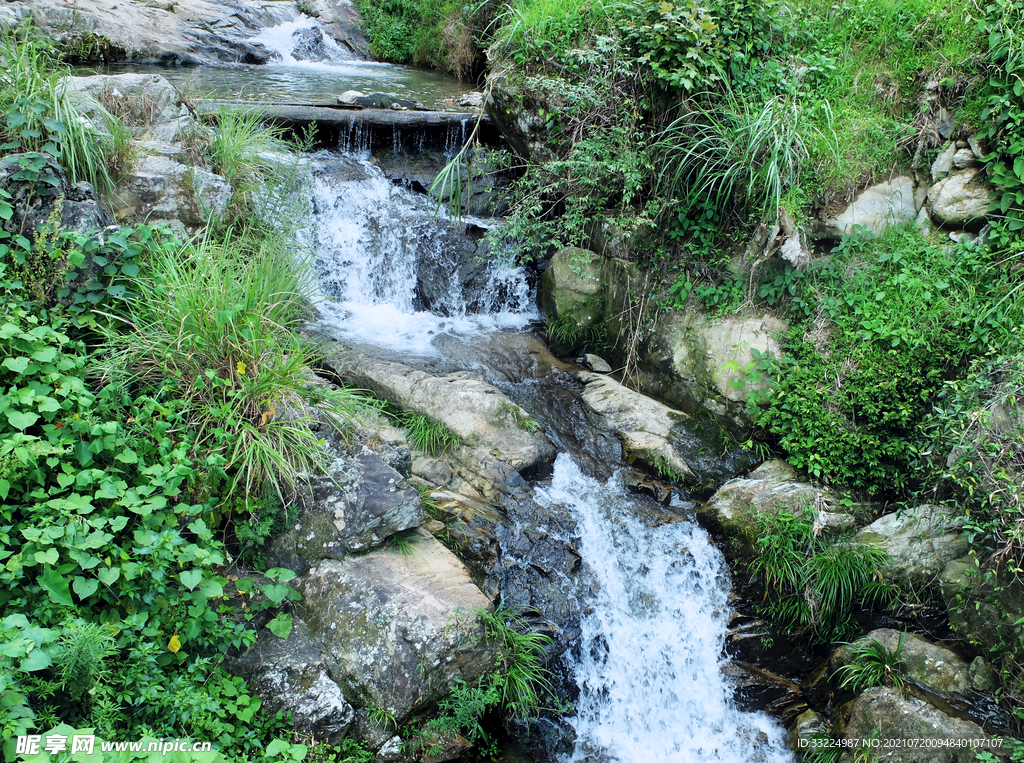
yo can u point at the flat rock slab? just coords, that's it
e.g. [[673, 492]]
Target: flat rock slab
[[495, 447], [398, 629]]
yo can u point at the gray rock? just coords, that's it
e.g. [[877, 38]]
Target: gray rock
[[350, 97], [961, 198], [495, 446], [293, 675], [983, 676], [882, 205], [596, 363], [775, 470], [357, 505], [883, 712], [924, 222], [644, 426], [76, 206], [343, 22], [983, 602], [161, 190], [936, 668], [943, 163], [738, 505], [398, 629], [147, 103], [571, 284], [919, 541], [964, 158], [391, 752], [809, 725]]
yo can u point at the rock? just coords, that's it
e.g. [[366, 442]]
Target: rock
[[495, 447], [184, 32], [79, 208], [775, 470], [936, 668], [596, 363], [876, 208], [471, 524], [644, 426], [11, 16], [809, 725], [739, 503], [570, 286], [473, 99], [161, 190], [355, 506], [419, 169], [943, 163], [708, 360], [961, 198], [976, 148], [399, 629], [924, 222], [391, 752], [350, 97], [883, 712], [958, 236], [919, 541], [293, 675], [145, 102], [309, 45], [983, 602], [964, 158], [983, 676]]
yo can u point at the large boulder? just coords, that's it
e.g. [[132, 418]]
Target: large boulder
[[294, 675], [343, 22], [161, 190], [934, 667], [922, 734], [961, 198], [356, 505], [397, 629], [647, 429], [919, 542], [875, 209], [738, 505], [571, 285], [71, 207], [145, 102], [709, 360], [497, 447]]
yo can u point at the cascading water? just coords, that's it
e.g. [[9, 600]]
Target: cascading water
[[303, 36], [396, 275], [650, 654]]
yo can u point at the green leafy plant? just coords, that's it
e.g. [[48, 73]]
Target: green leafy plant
[[871, 664]]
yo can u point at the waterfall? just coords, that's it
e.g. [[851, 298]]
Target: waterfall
[[393, 273], [650, 655], [302, 42]]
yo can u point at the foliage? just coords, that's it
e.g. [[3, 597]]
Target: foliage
[[1015, 746], [431, 437], [871, 664], [736, 157], [567, 331], [695, 46], [213, 326], [814, 584], [897, 317], [403, 543], [40, 116], [1003, 116]]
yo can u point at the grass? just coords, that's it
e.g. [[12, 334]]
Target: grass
[[216, 321], [526, 689], [431, 437], [403, 543], [41, 117], [871, 664]]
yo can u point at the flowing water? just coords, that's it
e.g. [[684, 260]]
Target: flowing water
[[293, 80], [651, 650], [394, 273]]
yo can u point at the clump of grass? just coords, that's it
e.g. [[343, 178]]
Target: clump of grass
[[403, 543], [522, 419], [216, 322], [526, 686], [242, 148], [567, 331], [431, 437], [871, 664]]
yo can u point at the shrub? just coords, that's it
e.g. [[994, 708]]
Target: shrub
[[213, 325]]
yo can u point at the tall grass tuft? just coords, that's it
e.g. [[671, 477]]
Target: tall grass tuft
[[39, 115], [736, 156], [526, 688], [216, 322]]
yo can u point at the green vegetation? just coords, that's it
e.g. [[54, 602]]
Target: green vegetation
[[814, 583], [431, 437], [871, 664], [155, 408]]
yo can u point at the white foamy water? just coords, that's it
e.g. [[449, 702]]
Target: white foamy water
[[391, 271], [649, 667], [282, 39]]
